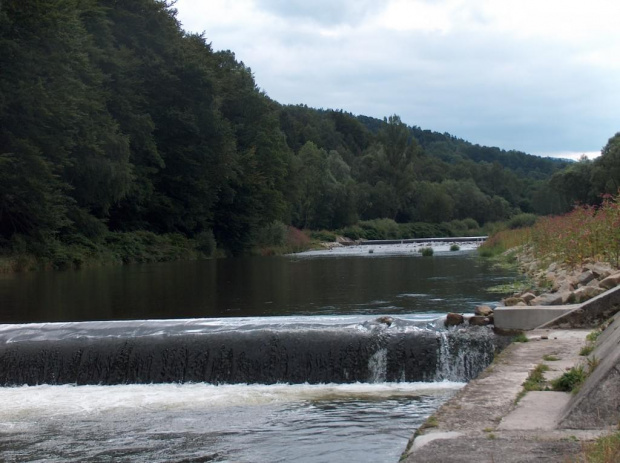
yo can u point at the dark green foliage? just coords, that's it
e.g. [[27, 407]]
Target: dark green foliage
[[522, 221], [427, 252], [586, 182], [272, 234], [323, 235]]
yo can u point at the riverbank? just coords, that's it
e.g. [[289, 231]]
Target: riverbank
[[484, 422], [494, 418]]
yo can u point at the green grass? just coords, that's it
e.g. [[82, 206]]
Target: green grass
[[593, 336], [510, 288], [550, 358], [535, 381], [431, 422], [520, 338], [586, 350], [571, 380], [604, 450]]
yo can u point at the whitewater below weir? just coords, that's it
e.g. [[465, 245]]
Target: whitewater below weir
[[202, 422]]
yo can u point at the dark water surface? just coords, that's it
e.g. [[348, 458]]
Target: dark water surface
[[255, 286]]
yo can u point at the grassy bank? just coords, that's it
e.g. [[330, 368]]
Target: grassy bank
[[585, 234]]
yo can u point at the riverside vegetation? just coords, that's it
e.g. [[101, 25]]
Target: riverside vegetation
[[569, 258], [577, 257], [126, 139]]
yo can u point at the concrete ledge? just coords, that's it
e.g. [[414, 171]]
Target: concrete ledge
[[528, 317], [589, 314]]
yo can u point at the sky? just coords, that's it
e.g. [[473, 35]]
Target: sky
[[539, 76]]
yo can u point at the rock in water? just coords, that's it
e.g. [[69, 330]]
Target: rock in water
[[483, 310], [454, 319], [386, 320]]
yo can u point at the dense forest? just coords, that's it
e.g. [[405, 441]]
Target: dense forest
[[118, 130]]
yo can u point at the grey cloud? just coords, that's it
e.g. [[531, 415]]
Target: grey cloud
[[325, 12], [486, 87]]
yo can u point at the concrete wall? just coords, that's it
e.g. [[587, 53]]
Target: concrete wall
[[591, 313], [597, 404], [528, 317]]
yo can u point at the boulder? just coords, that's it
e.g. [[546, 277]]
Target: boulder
[[477, 320], [611, 281], [564, 286], [483, 310], [587, 292], [599, 270], [510, 301], [386, 320], [568, 297], [454, 319], [548, 299], [527, 297], [585, 278]]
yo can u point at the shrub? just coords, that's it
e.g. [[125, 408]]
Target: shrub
[[427, 251], [271, 234], [323, 235], [570, 381], [296, 240], [471, 224], [522, 221], [455, 247], [354, 232], [205, 243], [503, 240], [380, 229]]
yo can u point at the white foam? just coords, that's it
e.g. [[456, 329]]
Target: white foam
[[30, 402]]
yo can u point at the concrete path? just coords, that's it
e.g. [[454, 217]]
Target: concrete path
[[482, 423]]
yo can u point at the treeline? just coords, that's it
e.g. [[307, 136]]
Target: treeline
[[117, 127], [588, 182]]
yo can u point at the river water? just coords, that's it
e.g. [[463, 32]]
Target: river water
[[367, 421]]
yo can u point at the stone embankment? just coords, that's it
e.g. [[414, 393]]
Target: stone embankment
[[560, 284], [558, 290]]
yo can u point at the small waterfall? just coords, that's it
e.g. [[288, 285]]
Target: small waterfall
[[463, 353], [377, 367], [165, 351]]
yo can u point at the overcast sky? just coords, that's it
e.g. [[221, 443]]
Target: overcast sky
[[541, 76]]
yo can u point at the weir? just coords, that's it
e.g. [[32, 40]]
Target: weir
[[264, 351]]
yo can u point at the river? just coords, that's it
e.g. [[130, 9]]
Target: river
[[282, 319]]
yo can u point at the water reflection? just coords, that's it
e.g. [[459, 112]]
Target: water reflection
[[251, 287]]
